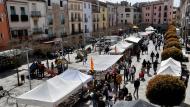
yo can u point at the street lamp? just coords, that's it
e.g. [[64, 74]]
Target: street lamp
[[26, 50]]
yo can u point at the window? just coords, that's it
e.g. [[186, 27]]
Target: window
[[154, 7], [49, 2], [1, 36], [121, 21], [165, 8], [89, 5], [1, 19], [12, 8], [127, 10], [50, 20], [62, 19], [125, 21], [61, 3], [165, 14], [85, 5], [22, 9], [121, 15], [164, 20], [154, 20], [155, 14], [127, 15]]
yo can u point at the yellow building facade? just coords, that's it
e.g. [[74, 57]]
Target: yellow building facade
[[103, 16]]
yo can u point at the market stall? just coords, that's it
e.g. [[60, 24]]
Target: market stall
[[75, 75], [120, 47], [171, 61], [169, 69], [51, 93]]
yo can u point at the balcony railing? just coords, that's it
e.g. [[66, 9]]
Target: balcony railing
[[24, 18], [79, 19], [35, 14], [104, 18], [37, 31], [86, 19], [14, 18], [94, 20]]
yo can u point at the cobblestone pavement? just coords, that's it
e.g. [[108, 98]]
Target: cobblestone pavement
[[10, 81]]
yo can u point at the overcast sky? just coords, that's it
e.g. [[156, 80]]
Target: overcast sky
[[176, 2]]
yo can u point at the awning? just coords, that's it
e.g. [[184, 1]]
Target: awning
[[170, 70], [75, 75], [51, 93], [10, 53], [120, 47], [101, 62], [150, 28], [170, 61], [133, 39]]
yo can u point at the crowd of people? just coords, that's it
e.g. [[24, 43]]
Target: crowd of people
[[111, 87]]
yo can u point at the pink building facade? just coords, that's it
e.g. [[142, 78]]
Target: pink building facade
[[158, 12]]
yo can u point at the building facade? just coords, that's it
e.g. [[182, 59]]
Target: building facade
[[158, 13], [4, 27], [125, 13], [112, 14], [185, 23], [103, 16], [57, 18], [87, 18], [18, 14], [95, 17], [38, 20]]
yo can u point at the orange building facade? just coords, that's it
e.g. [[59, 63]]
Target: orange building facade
[[4, 26]]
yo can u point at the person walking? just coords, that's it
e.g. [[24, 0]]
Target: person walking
[[157, 55], [133, 71], [136, 86], [129, 62], [152, 56], [148, 67], [155, 65], [126, 72], [144, 63]]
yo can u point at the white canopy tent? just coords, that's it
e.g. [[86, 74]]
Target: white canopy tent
[[101, 62], [133, 39], [51, 93], [170, 70], [150, 28], [171, 61], [75, 75], [120, 47]]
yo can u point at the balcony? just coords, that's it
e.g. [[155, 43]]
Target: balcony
[[104, 19], [79, 19], [35, 14], [98, 20], [94, 20], [86, 19], [24, 18], [77, 32], [50, 22], [86, 30], [72, 19], [14, 18], [37, 30]]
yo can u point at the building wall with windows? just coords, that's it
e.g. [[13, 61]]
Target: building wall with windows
[[95, 16], [158, 12], [103, 16], [75, 16], [4, 27], [18, 14], [87, 18], [57, 18], [38, 21], [112, 14], [125, 14]]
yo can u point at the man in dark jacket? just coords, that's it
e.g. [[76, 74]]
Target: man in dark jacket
[[152, 56], [136, 86]]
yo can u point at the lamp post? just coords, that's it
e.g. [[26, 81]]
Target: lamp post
[[186, 34]]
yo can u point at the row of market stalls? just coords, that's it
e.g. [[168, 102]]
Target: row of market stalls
[[57, 90], [62, 88]]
